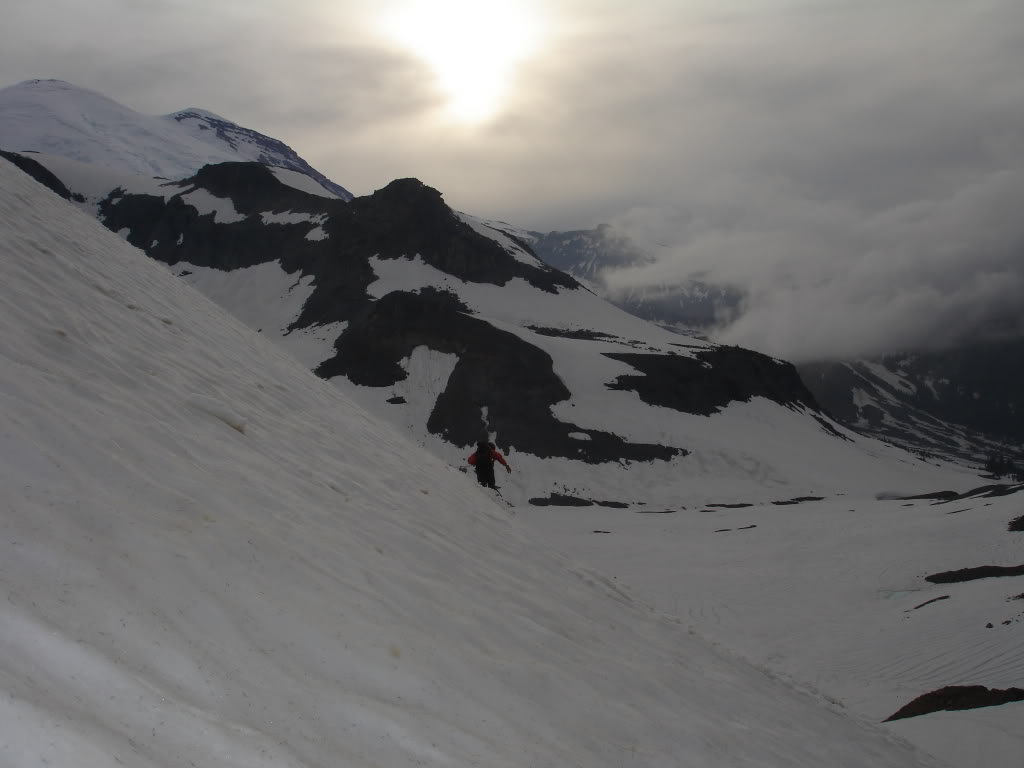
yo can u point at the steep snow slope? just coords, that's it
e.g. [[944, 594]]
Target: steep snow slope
[[58, 118], [212, 557]]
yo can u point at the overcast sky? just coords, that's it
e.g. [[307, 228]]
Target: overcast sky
[[854, 167]]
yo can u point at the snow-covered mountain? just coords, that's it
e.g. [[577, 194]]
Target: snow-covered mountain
[[58, 118], [705, 478], [586, 253], [212, 557], [965, 402], [691, 308], [444, 324]]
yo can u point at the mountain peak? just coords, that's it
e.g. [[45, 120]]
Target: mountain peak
[[411, 193], [50, 93], [42, 87], [47, 83], [59, 118], [197, 112]]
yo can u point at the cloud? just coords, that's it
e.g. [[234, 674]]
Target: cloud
[[856, 173], [301, 70]]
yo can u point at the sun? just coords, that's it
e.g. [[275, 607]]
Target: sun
[[473, 47]]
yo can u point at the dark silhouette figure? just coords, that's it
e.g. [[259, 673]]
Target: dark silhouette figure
[[483, 459]]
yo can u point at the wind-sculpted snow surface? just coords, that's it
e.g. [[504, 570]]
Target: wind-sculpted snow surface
[[212, 557]]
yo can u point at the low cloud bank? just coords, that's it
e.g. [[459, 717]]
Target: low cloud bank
[[857, 174], [827, 280]]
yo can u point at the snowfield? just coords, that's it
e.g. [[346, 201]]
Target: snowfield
[[832, 593], [211, 557]]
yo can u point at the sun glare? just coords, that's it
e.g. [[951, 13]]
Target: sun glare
[[473, 48]]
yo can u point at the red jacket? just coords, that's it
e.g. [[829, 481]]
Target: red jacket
[[495, 456]]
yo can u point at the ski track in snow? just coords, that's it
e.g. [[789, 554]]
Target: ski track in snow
[[211, 557]]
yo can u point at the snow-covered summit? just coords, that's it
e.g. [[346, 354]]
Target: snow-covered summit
[[59, 118], [198, 113]]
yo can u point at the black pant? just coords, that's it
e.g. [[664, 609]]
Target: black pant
[[485, 475]]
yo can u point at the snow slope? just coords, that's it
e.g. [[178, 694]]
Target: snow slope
[[58, 118], [211, 557]]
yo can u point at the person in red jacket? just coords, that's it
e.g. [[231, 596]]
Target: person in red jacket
[[483, 459]]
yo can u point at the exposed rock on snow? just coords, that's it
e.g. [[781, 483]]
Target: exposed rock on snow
[[973, 574], [711, 379], [957, 697], [494, 366], [40, 173]]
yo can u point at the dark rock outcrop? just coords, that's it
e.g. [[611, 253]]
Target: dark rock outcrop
[[929, 602], [560, 500], [982, 492], [496, 371], [272, 151], [973, 574], [711, 379], [565, 500], [408, 218], [43, 175], [404, 219], [957, 697], [583, 334]]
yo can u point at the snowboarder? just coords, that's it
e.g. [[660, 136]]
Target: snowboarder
[[483, 459]]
